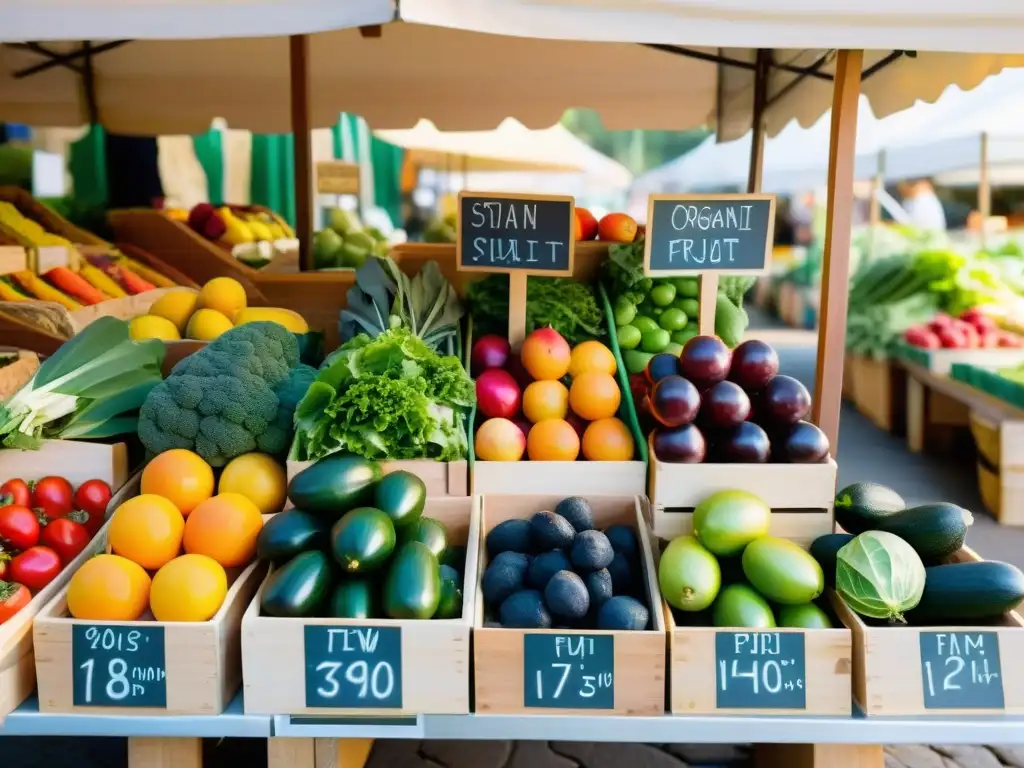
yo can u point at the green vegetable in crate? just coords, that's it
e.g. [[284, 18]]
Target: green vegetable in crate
[[412, 588], [289, 533], [968, 592], [334, 485], [782, 571], [935, 531], [299, 588], [863, 506], [880, 576], [236, 395], [825, 549]]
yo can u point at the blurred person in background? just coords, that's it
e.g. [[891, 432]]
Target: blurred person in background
[[922, 205]]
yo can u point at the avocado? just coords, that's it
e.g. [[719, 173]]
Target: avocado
[[360, 240], [362, 540], [334, 485], [450, 605], [806, 616], [354, 598], [525, 610], [578, 512], [427, 531], [623, 539], [591, 551], [509, 536], [401, 496], [725, 522], [861, 506], [935, 531], [782, 571], [286, 534], [454, 556], [825, 549], [566, 596], [689, 575], [740, 606], [968, 592], [623, 613], [599, 587], [412, 588], [545, 566], [504, 575], [550, 531], [299, 587], [622, 570]]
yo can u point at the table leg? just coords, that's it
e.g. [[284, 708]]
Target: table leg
[[916, 398], [819, 756], [165, 753], [318, 753]]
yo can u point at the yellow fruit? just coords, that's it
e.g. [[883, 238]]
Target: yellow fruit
[[147, 530], [291, 320], [553, 440], [545, 400], [108, 588], [258, 477], [223, 294], [594, 396], [608, 440], [152, 327], [188, 588], [591, 357], [499, 440], [181, 477], [225, 528], [207, 325], [176, 306]]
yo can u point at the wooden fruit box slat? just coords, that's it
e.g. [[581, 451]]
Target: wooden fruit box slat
[[636, 661], [76, 460], [975, 670], [800, 495], [442, 478], [579, 478], [940, 361], [878, 388], [429, 671], [200, 670]]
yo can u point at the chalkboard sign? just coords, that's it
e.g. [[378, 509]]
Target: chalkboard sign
[[568, 671], [691, 234], [118, 666], [961, 670], [357, 667], [760, 670], [527, 234]]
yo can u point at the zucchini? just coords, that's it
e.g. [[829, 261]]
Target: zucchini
[[334, 485], [412, 589], [825, 549], [935, 531], [299, 588], [862, 506], [961, 592], [289, 533], [354, 598], [427, 531]]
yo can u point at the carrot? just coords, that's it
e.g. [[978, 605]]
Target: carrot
[[146, 273], [75, 286], [132, 282], [97, 278]]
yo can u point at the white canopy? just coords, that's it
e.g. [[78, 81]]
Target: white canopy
[[467, 64]]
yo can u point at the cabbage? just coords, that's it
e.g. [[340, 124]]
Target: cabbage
[[880, 576]]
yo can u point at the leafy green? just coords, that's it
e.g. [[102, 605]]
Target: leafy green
[[91, 387], [384, 297], [623, 272], [880, 576], [386, 397]]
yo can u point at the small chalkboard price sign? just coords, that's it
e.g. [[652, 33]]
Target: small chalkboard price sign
[[519, 234], [961, 670], [568, 671], [118, 666], [760, 670], [357, 667]]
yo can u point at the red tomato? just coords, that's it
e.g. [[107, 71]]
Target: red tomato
[[13, 597], [54, 495], [35, 567], [65, 537], [15, 492], [92, 498], [19, 527], [5, 560]]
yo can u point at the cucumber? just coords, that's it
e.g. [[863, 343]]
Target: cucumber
[[299, 588], [401, 496], [412, 589], [334, 485], [861, 506], [354, 599], [935, 531], [961, 592], [287, 534], [825, 550], [427, 531], [362, 540]]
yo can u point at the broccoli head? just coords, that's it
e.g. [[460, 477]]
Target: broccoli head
[[223, 400]]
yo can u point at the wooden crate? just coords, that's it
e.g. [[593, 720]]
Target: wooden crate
[[800, 495], [569, 478], [432, 656], [879, 391], [849, 383], [940, 361], [76, 460], [1000, 445], [442, 478], [890, 678], [201, 665], [636, 659]]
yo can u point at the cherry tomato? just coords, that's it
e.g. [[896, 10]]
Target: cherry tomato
[[15, 492], [13, 597], [35, 567], [92, 497], [65, 537], [54, 495], [19, 527]]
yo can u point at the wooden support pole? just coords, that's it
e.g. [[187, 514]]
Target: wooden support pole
[[819, 756], [298, 48], [318, 753], [165, 753], [984, 188], [835, 268]]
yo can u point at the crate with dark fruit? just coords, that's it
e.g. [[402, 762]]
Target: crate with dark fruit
[[569, 617], [728, 420], [973, 337]]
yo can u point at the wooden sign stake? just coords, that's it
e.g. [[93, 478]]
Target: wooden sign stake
[[707, 300], [516, 309]]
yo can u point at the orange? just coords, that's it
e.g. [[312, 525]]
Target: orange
[[617, 228], [608, 440], [587, 224], [108, 588], [545, 355], [591, 357], [545, 400], [224, 528], [189, 588], [594, 396], [553, 440], [181, 477], [499, 440], [258, 477], [146, 529]]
